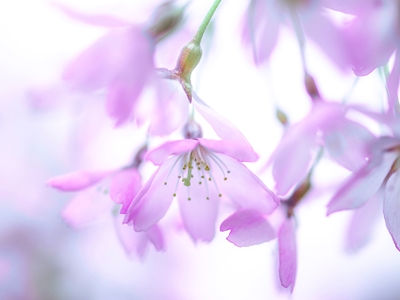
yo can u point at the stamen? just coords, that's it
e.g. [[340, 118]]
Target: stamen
[[169, 173]]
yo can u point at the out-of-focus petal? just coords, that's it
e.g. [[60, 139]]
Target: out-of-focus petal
[[96, 20], [393, 84], [248, 228], [86, 207], [224, 129], [76, 181], [362, 222], [171, 109], [155, 236], [370, 38], [120, 62], [121, 101], [150, 206], [160, 154], [347, 142], [354, 7], [292, 158], [326, 36], [124, 186], [362, 186], [199, 214], [133, 242], [242, 188], [391, 207], [287, 253], [260, 30]]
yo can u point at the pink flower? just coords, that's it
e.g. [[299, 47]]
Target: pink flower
[[373, 35], [265, 18], [199, 173], [93, 201], [326, 125], [381, 172], [121, 64]]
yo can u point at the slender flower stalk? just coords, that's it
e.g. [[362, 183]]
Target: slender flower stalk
[[200, 32], [190, 56]]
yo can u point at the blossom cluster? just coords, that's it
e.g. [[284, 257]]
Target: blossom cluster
[[212, 178]]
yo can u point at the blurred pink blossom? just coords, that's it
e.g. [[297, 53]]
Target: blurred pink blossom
[[381, 172], [326, 125], [264, 19], [92, 202], [121, 64]]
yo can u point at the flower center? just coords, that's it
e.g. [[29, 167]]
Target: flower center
[[195, 168]]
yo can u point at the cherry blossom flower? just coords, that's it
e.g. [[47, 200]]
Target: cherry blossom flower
[[93, 201], [381, 172], [199, 173], [265, 18], [326, 125], [121, 64], [373, 35]]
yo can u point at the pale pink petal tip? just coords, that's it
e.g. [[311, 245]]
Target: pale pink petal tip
[[248, 228], [76, 181], [124, 187], [92, 19], [391, 208], [287, 254]]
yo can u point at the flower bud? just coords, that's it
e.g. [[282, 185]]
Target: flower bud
[[188, 60], [192, 130], [165, 19], [311, 87], [280, 115]]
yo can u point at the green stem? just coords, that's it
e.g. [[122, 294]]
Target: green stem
[[200, 32]]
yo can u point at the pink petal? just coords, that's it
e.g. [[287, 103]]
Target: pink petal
[[349, 6], [369, 45], [121, 101], [227, 147], [199, 214], [149, 207], [248, 228], [362, 223], [155, 236], [393, 84], [391, 208], [132, 241], [96, 20], [348, 142], [124, 187], [76, 181], [260, 30], [170, 102], [292, 159], [119, 54], [362, 186], [326, 36], [225, 129], [287, 254], [160, 154], [86, 207], [137, 242], [241, 186], [122, 62]]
